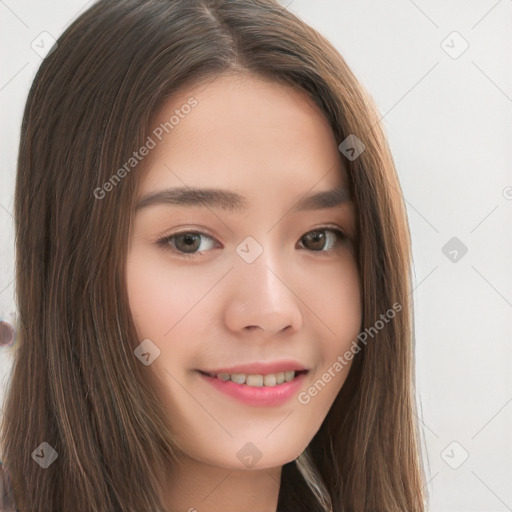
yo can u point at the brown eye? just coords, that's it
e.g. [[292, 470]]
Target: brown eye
[[187, 243], [321, 240]]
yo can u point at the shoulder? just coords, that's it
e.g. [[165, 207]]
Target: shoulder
[[7, 503]]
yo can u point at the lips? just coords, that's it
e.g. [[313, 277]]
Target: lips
[[268, 390]]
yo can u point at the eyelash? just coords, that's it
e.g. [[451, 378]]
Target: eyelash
[[164, 241]]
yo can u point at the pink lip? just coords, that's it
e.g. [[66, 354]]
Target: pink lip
[[260, 368], [257, 396]]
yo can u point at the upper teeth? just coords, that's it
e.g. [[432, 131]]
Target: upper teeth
[[258, 380]]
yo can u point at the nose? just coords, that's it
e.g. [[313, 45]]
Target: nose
[[262, 298]]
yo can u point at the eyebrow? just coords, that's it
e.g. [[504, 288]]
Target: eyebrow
[[231, 201]]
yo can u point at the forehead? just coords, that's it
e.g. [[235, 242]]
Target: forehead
[[243, 132]]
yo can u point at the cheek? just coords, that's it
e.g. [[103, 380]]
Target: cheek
[[151, 302], [332, 295], [336, 301], [337, 304], [160, 295]]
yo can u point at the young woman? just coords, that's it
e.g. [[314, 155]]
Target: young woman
[[213, 273]]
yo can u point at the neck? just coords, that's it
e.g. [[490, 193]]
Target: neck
[[194, 486]]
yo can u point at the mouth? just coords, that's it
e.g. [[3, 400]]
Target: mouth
[[257, 389], [257, 379]]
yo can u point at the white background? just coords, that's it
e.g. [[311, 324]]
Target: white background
[[449, 124]]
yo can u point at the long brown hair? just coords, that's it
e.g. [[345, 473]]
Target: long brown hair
[[76, 383]]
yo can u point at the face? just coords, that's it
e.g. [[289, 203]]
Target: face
[[250, 280]]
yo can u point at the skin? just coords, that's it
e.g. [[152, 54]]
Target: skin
[[271, 144]]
